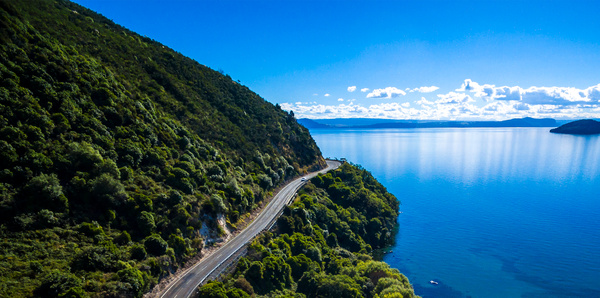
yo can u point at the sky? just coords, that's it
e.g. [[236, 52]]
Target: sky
[[427, 60]]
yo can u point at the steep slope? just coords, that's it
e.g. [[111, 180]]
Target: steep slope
[[116, 150], [579, 127]]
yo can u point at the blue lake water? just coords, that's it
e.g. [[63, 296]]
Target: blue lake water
[[487, 212]]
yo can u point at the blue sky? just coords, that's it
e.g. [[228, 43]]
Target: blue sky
[[461, 60]]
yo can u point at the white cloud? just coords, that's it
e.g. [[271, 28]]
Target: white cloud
[[504, 108], [593, 93], [351, 88], [364, 89], [424, 102], [520, 106], [388, 92], [425, 89], [443, 109], [472, 101], [533, 95], [468, 85], [327, 95], [454, 98]]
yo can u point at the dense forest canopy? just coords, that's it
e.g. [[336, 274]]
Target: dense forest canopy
[[115, 151], [322, 246]]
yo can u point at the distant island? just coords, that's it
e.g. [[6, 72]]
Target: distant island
[[389, 123], [580, 127]]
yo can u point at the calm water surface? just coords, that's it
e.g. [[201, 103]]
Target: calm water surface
[[490, 212]]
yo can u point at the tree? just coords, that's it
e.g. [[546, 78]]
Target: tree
[[309, 283], [212, 290], [108, 191], [137, 252], [134, 281], [155, 245], [276, 273], [146, 222], [44, 192], [218, 203], [178, 244], [339, 286], [243, 284], [94, 258], [60, 284], [299, 264]]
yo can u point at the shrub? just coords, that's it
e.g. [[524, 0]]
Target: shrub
[[155, 245], [60, 284], [44, 192], [146, 222], [134, 281], [137, 252]]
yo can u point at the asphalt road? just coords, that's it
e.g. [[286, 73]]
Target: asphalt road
[[187, 283]]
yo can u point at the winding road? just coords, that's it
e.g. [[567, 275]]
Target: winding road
[[186, 285]]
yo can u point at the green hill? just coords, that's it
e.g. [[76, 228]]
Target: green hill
[[322, 245], [116, 150]]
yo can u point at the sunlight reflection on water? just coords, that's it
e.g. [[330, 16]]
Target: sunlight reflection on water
[[483, 207]]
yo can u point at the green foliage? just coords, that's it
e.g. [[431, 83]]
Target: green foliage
[[300, 264], [138, 252], [107, 137], [243, 284], [146, 222], [179, 245], [218, 203], [44, 192], [155, 245], [111, 143], [91, 229], [107, 191], [334, 286], [133, 281], [217, 290], [123, 238], [95, 258], [60, 284], [305, 256]]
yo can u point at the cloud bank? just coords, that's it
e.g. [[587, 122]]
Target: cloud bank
[[425, 89], [533, 95], [388, 92], [472, 101]]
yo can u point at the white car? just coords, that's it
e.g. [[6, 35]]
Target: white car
[[303, 179]]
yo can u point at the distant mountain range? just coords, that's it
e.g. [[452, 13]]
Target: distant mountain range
[[580, 127], [388, 123]]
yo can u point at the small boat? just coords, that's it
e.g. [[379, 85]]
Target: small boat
[[433, 282]]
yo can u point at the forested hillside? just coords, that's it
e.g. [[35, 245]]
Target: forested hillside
[[115, 151], [322, 246]]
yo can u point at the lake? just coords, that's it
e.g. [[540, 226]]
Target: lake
[[486, 212]]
